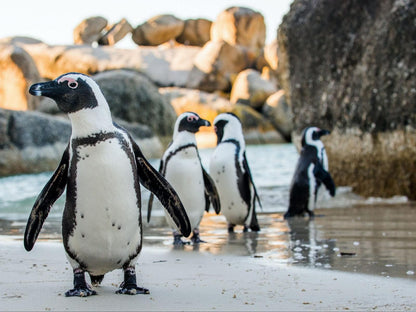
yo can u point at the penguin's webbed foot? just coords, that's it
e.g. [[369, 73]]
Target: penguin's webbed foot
[[81, 288], [196, 239], [231, 228], [177, 240], [129, 286], [311, 214], [80, 292], [132, 290]]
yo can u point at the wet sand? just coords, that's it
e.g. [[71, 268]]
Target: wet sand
[[287, 266], [379, 240], [371, 239]]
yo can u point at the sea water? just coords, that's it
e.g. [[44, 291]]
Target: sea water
[[352, 233]]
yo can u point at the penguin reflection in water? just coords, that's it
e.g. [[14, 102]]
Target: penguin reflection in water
[[231, 174], [311, 171], [182, 167], [101, 169]]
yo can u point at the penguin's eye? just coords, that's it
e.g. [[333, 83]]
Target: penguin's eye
[[192, 118], [72, 84]]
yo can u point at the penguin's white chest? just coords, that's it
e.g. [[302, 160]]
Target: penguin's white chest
[[107, 209], [224, 173], [184, 173]]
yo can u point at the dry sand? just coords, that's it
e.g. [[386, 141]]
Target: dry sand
[[194, 281]]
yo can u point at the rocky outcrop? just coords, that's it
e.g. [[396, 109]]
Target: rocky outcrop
[[164, 66], [187, 60], [350, 66], [17, 72], [158, 30], [34, 142], [134, 98], [196, 32]]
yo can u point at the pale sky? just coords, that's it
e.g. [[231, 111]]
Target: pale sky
[[53, 21]]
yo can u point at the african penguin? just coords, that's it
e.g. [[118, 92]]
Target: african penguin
[[231, 174], [101, 169], [182, 167], [311, 171]]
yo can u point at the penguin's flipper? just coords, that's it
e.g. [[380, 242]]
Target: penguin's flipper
[[211, 194], [323, 175], [248, 172], [157, 184], [151, 197], [47, 197]]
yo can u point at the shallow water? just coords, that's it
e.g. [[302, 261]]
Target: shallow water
[[350, 233]]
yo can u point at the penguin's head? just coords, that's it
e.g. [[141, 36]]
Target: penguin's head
[[312, 135], [189, 122], [228, 126], [72, 92]]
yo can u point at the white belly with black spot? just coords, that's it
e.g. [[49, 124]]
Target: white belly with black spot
[[107, 231], [184, 173], [223, 171]]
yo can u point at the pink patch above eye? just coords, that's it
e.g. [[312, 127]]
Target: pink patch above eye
[[72, 83], [192, 118]]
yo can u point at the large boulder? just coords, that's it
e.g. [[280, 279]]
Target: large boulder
[[250, 88], [116, 32], [158, 30], [89, 30], [240, 26], [17, 72], [33, 142], [134, 98], [164, 66], [216, 66], [279, 113], [196, 32], [349, 66]]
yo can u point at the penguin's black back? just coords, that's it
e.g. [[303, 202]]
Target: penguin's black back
[[299, 190]]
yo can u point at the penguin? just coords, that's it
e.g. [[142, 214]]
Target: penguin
[[181, 166], [231, 174], [310, 172], [100, 169]]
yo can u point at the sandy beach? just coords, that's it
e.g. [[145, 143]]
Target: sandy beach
[[194, 281]]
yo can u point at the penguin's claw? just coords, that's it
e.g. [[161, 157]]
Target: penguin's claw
[[132, 290], [197, 240], [80, 292]]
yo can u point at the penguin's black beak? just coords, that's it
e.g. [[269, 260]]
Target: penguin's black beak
[[323, 132], [48, 89], [203, 123]]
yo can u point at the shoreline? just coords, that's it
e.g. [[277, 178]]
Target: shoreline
[[194, 281]]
